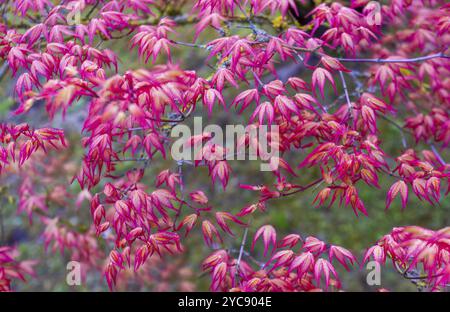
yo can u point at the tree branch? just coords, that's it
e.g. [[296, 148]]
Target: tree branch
[[347, 97], [241, 252], [404, 60]]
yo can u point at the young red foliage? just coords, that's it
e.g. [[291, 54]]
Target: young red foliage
[[387, 64]]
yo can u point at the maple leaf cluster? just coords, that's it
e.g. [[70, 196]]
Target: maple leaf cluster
[[11, 268], [365, 66], [413, 249]]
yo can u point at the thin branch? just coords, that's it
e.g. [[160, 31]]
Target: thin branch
[[258, 80], [347, 97], [249, 256], [180, 174], [187, 44], [406, 274], [252, 26], [439, 157], [241, 252], [404, 60], [398, 127], [3, 70], [88, 15], [303, 188], [130, 159]]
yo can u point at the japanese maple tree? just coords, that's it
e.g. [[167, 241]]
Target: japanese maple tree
[[327, 73]]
